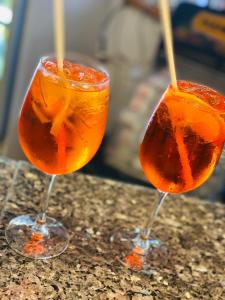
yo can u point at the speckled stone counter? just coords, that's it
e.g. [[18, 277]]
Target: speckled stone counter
[[92, 209]]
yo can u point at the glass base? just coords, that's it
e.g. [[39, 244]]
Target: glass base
[[138, 253], [38, 241]]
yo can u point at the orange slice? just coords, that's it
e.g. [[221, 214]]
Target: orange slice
[[39, 113], [60, 118], [192, 111]]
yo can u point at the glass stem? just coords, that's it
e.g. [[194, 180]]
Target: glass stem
[[145, 233], [41, 219]]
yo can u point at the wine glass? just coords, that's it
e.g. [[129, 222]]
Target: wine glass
[[179, 151], [61, 126]]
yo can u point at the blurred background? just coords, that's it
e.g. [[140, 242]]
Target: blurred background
[[126, 37]]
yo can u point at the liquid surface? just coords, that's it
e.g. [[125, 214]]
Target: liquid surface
[[184, 138], [63, 118]]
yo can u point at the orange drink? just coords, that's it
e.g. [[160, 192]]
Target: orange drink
[[184, 138], [61, 126], [63, 118], [179, 151]]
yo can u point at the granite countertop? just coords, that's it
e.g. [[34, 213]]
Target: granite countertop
[[92, 209]]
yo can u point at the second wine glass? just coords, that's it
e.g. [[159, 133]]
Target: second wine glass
[[61, 126], [180, 149]]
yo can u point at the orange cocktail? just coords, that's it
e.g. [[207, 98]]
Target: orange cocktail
[[63, 119], [61, 126], [184, 138]]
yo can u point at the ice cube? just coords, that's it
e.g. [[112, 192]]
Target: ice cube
[[81, 75], [50, 66]]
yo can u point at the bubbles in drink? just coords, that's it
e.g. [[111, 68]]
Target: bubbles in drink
[[76, 72]]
